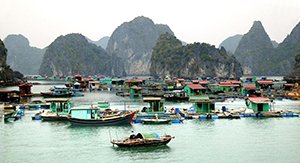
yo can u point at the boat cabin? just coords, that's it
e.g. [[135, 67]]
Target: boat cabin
[[103, 105], [202, 104], [25, 90], [87, 112], [194, 89], [258, 104], [156, 105], [60, 105]]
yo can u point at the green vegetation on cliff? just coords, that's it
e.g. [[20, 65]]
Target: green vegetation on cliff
[[72, 54], [170, 58]]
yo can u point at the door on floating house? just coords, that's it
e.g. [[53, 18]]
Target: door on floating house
[[260, 107]]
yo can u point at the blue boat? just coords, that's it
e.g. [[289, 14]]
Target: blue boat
[[58, 91]]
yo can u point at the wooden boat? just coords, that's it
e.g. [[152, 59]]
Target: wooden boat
[[92, 116], [143, 139]]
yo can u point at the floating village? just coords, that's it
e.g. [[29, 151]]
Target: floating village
[[258, 94]]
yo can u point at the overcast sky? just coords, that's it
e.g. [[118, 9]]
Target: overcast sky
[[210, 21]]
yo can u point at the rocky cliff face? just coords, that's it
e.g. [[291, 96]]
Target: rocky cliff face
[[286, 52], [72, 54], [131, 46], [21, 56], [255, 51], [230, 44], [170, 58], [294, 76], [7, 75]]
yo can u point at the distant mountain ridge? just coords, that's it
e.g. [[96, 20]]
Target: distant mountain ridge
[[171, 59], [21, 56], [102, 42], [132, 43], [231, 43], [72, 54], [7, 75]]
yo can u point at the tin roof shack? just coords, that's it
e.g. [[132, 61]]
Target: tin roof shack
[[25, 90], [202, 104], [11, 96], [228, 87], [264, 84], [278, 85], [169, 85], [248, 89], [204, 83], [258, 104], [194, 89], [156, 105]]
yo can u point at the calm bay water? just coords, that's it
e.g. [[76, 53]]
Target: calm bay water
[[244, 140]]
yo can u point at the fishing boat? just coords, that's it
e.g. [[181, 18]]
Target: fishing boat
[[88, 115], [58, 91], [143, 139], [59, 109]]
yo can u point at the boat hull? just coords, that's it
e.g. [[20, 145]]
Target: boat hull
[[142, 142], [121, 120]]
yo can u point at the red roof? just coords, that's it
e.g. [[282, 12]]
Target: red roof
[[195, 81], [264, 81], [227, 84], [195, 86], [234, 81], [134, 81], [203, 82], [249, 86], [259, 99]]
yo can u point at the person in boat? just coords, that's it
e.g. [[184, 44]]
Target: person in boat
[[132, 136]]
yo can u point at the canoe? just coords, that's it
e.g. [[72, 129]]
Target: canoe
[[142, 139]]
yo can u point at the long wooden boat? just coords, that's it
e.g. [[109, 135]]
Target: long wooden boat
[[143, 139], [92, 116]]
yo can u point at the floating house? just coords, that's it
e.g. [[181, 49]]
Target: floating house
[[59, 109], [194, 89], [118, 81], [202, 104], [258, 104], [264, 84], [25, 90], [229, 86], [135, 91], [156, 105], [132, 82], [248, 89]]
